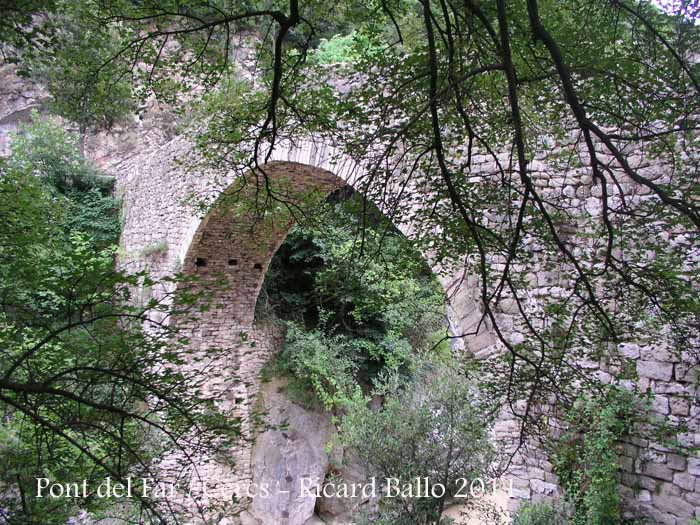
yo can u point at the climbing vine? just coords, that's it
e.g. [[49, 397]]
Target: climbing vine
[[586, 458]]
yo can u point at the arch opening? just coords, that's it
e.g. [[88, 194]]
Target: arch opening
[[231, 253], [236, 241]]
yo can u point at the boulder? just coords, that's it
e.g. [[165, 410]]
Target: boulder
[[288, 457], [349, 474]]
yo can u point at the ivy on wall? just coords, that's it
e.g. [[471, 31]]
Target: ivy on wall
[[586, 457]]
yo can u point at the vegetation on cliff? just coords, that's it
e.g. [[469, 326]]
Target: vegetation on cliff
[[89, 386]]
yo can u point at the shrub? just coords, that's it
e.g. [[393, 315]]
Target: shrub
[[318, 363], [45, 150], [541, 514], [434, 428]]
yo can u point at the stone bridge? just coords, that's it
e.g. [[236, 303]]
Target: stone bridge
[[235, 240], [225, 241], [164, 232]]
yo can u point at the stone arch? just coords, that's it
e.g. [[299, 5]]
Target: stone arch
[[232, 243], [239, 236], [232, 248], [152, 215], [235, 243]]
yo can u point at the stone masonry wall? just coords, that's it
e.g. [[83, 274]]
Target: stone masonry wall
[[656, 483]]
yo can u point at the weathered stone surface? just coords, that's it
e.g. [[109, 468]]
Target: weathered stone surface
[[248, 519], [348, 474], [684, 481], [676, 462], [687, 373], [655, 370], [314, 520], [693, 498], [667, 489], [675, 506], [288, 456], [658, 471], [660, 405], [542, 487], [644, 495], [680, 406], [629, 350], [694, 466]]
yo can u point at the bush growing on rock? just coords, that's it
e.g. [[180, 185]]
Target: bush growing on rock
[[433, 429]]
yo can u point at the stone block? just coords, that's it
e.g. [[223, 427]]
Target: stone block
[[523, 493], [674, 505], [536, 473], [658, 471], [669, 388], [655, 370], [693, 497], [667, 489], [660, 405], [626, 463], [629, 450], [684, 481], [687, 373], [662, 518], [659, 353], [541, 487], [629, 350], [676, 462], [643, 495], [686, 439], [694, 466]]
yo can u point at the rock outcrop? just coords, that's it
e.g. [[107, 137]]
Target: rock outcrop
[[289, 455]]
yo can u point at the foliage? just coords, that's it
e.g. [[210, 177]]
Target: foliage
[[586, 458], [435, 428], [320, 362], [88, 85], [541, 514], [459, 114], [342, 49], [47, 151], [16, 28], [358, 305], [337, 50], [86, 391]]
